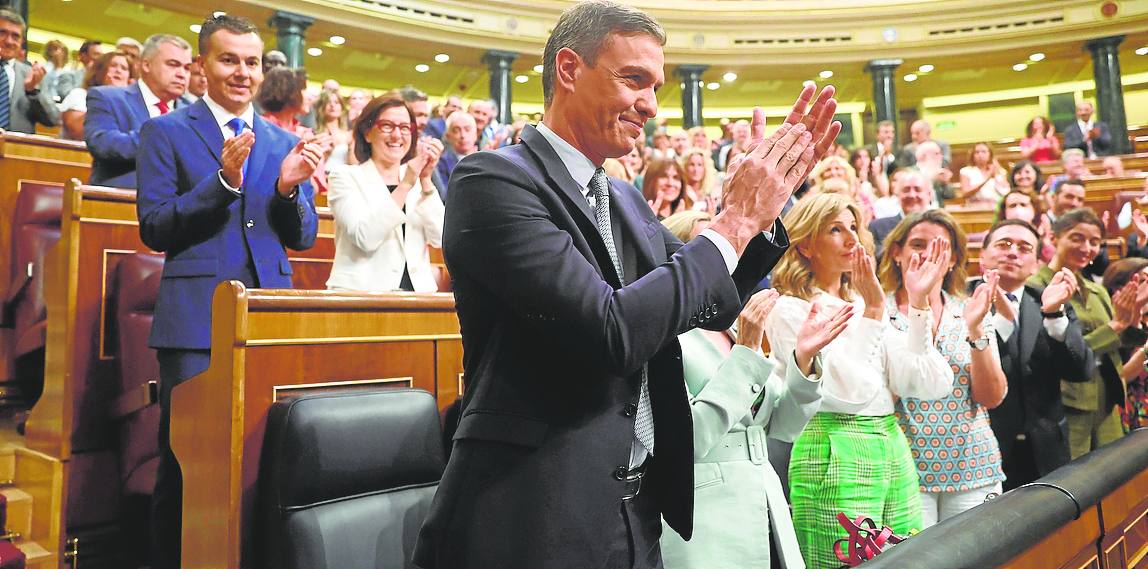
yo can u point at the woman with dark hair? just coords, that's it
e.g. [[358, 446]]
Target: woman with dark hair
[[282, 99], [1134, 413], [1040, 143], [957, 457], [1022, 205], [386, 208], [112, 68], [1091, 406], [664, 185], [1026, 177]]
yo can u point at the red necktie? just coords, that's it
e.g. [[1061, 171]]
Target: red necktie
[[162, 106]]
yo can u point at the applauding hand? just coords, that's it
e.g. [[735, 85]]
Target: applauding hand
[[1061, 288], [298, 166], [818, 331], [978, 305], [235, 152], [863, 276], [751, 321], [926, 272]]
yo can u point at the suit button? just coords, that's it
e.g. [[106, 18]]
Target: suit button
[[620, 473], [631, 409], [250, 223], [756, 388]]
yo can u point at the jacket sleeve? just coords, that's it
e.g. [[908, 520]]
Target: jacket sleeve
[[102, 131], [1073, 138], [367, 224], [1072, 359], [295, 219], [42, 107], [499, 236], [728, 396], [167, 216], [1103, 143], [793, 399]]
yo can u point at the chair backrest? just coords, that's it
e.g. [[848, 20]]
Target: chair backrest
[[346, 479], [136, 288], [35, 228]]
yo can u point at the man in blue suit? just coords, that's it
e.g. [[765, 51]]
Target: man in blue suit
[[222, 193], [115, 114], [575, 437]]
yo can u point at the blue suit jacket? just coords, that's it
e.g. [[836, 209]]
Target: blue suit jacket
[[112, 131], [210, 234]]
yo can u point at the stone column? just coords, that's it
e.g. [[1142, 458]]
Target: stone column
[[1109, 93], [885, 91], [499, 63], [691, 75], [289, 30]]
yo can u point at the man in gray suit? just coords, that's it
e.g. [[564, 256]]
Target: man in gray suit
[[920, 131], [22, 104]]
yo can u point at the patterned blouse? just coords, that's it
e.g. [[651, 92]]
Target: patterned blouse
[[951, 440]]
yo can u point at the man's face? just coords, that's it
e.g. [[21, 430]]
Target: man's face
[[11, 36], [915, 193], [1068, 198], [1074, 166], [421, 110], [1012, 252], [481, 113], [462, 136], [166, 73], [885, 133], [94, 52], [680, 142], [233, 65], [919, 132], [612, 100], [451, 105], [740, 131], [197, 84], [1084, 111]]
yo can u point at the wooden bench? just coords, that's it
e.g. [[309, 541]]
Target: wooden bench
[[71, 429], [973, 219], [268, 344], [28, 158], [1138, 161]]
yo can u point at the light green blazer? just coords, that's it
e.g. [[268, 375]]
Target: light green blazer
[[738, 498]]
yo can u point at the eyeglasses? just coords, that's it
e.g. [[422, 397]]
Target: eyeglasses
[[389, 127], [1022, 247]]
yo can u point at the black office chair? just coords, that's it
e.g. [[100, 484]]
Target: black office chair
[[346, 479]]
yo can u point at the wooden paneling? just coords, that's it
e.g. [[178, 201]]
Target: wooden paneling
[[1073, 546], [268, 339], [1126, 524], [973, 219]]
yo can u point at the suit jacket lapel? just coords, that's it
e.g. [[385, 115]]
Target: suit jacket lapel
[[137, 104], [1031, 323], [634, 231], [204, 125], [558, 173], [258, 154]]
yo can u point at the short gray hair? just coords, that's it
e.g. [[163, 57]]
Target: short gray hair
[[12, 17], [586, 27], [151, 45], [128, 41]]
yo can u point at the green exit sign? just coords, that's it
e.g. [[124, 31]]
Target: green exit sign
[[945, 125]]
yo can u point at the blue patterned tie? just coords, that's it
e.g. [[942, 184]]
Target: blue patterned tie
[[5, 97], [600, 187], [238, 125]]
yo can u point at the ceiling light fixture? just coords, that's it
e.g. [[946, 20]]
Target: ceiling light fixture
[[1020, 67], [729, 76], [338, 40], [1142, 50], [218, 13], [442, 58], [1036, 57], [314, 51], [713, 86], [538, 68], [521, 79], [422, 68], [911, 77], [926, 68], [195, 28], [825, 74]]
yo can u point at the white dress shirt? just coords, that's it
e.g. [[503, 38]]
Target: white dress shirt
[[151, 100], [222, 117], [1057, 328], [1084, 128]]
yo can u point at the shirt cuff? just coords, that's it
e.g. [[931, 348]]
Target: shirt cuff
[[726, 248], [236, 191], [920, 336], [1057, 328]]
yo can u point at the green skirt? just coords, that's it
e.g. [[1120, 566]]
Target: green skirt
[[859, 465]]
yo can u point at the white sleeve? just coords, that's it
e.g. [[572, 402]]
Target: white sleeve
[[430, 212], [851, 375], [367, 226], [914, 366]]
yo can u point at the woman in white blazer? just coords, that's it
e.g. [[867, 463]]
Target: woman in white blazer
[[386, 208]]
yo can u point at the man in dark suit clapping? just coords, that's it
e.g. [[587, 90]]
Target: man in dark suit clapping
[[1040, 342], [1090, 136], [575, 437]]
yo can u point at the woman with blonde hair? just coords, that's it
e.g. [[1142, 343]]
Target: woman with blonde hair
[[852, 457], [969, 468], [701, 183], [983, 181], [838, 168]]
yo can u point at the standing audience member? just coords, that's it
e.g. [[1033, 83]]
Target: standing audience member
[[283, 100], [386, 208], [838, 168], [22, 103], [700, 179], [930, 162], [491, 134], [1040, 143], [872, 178], [663, 188], [884, 151], [699, 139], [635, 166], [983, 181], [116, 114], [915, 194], [334, 124], [739, 135], [737, 402], [1092, 406], [273, 59], [1074, 169], [355, 103], [1040, 341], [55, 58], [222, 207], [1091, 137], [1025, 207], [970, 468], [111, 69], [919, 133], [436, 126], [1134, 413], [197, 83], [461, 141], [869, 470], [73, 77], [679, 143]]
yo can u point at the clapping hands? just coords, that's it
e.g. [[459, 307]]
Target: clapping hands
[[817, 331], [926, 272], [863, 276], [978, 305], [751, 321], [1061, 288]]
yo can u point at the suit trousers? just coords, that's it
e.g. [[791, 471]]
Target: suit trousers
[[175, 367], [637, 547], [1019, 465], [1090, 430]]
